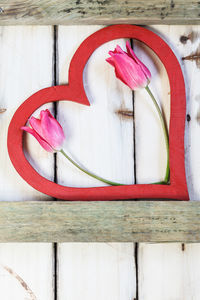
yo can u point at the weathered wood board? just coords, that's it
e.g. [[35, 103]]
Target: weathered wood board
[[123, 221], [51, 12], [26, 270]]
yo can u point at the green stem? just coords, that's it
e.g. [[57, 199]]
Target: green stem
[[166, 179], [87, 172]]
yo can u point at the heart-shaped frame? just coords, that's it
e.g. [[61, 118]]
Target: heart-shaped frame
[[74, 91]]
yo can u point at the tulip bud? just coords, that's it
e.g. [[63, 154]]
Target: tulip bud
[[47, 131], [128, 68]]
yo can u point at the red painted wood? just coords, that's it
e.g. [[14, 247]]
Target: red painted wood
[[74, 91]]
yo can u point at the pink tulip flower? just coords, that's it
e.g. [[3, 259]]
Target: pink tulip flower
[[50, 135], [47, 131], [128, 68]]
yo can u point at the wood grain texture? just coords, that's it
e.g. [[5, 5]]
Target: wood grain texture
[[117, 221], [99, 12]]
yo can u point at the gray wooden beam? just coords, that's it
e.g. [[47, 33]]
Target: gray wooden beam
[[52, 12], [111, 221]]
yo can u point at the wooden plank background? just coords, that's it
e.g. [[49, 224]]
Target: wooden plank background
[[35, 57], [51, 12]]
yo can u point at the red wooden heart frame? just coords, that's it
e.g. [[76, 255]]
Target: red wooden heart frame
[[74, 91]]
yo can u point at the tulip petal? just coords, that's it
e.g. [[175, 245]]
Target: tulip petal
[[110, 60], [118, 49], [36, 125], [128, 71], [52, 132], [42, 142], [132, 54]]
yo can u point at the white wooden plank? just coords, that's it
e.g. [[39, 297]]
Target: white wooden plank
[[185, 47], [102, 140], [26, 270], [96, 271], [167, 272], [184, 41], [25, 67], [171, 271], [97, 136]]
